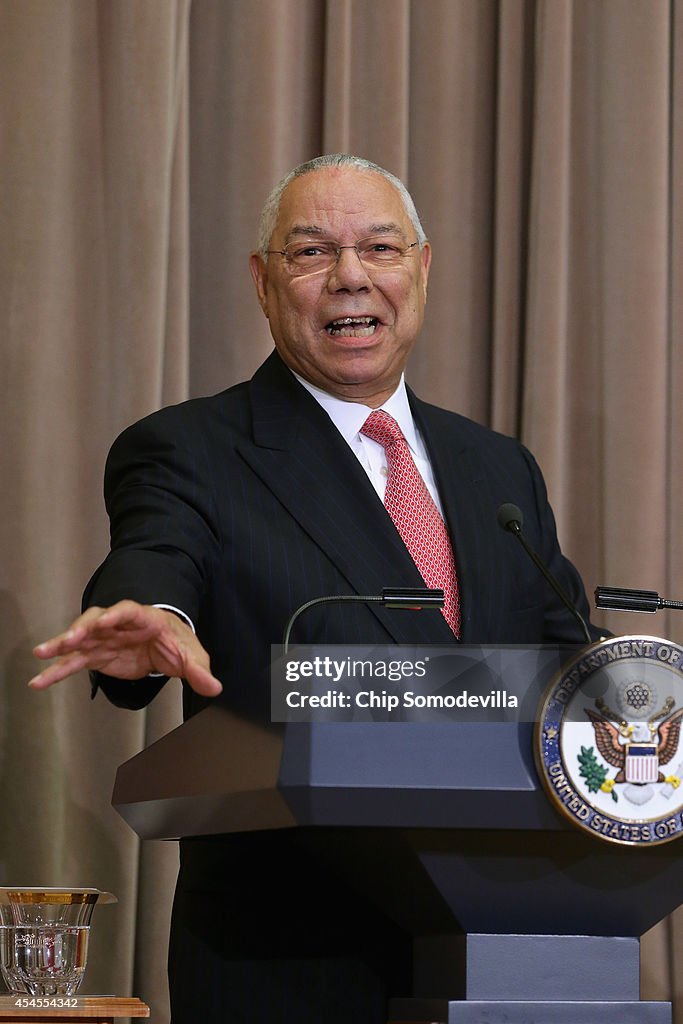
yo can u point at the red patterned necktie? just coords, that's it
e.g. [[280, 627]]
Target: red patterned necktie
[[415, 516]]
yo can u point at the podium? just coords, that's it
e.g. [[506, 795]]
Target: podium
[[517, 917]]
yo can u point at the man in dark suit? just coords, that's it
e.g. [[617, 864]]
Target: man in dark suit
[[229, 512]]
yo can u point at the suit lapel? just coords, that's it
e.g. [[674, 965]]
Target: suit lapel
[[301, 457], [470, 511]]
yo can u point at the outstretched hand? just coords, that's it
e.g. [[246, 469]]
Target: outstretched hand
[[127, 641]]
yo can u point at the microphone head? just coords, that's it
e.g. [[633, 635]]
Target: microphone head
[[510, 516]]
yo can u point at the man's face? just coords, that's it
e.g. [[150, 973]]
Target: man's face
[[364, 361]]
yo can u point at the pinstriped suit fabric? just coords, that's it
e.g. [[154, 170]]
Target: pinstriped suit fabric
[[239, 508]]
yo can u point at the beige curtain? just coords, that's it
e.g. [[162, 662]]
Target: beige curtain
[[542, 140], [94, 297]]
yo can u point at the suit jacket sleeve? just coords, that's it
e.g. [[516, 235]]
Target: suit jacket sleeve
[[163, 533]]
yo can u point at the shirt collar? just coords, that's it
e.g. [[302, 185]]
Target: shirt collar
[[349, 417]]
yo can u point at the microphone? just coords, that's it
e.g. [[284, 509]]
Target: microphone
[[510, 518], [411, 598], [622, 600]]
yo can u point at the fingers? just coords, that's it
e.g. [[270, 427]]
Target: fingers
[[127, 641], [65, 646], [62, 668], [71, 637], [202, 681], [178, 649]]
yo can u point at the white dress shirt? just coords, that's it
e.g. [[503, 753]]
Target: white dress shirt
[[349, 417]]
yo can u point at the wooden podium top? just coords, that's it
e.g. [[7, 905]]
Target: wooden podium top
[[46, 1009]]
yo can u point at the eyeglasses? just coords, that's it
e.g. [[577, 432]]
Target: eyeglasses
[[312, 256]]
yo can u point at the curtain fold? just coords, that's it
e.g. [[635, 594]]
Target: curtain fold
[[93, 286], [543, 143]]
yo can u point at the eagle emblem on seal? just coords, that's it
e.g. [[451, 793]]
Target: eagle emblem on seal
[[637, 749], [609, 742]]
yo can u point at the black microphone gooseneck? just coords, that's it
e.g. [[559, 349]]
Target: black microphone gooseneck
[[510, 518], [411, 598]]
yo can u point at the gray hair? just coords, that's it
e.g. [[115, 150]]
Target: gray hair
[[270, 211]]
